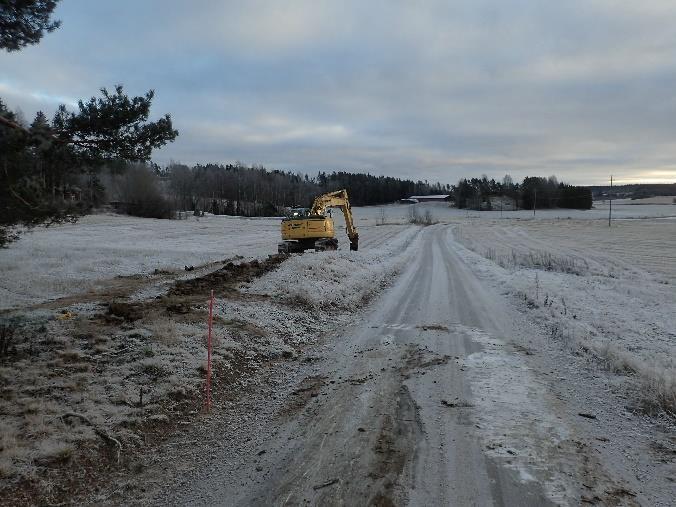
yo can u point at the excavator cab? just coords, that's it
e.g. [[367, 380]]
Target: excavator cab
[[297, 212]]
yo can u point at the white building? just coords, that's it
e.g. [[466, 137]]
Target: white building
[[430, 198]]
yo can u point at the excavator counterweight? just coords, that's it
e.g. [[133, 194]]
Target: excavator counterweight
[[305, 229]]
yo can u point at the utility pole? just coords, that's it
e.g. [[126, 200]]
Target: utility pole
[[535, 199], [610, 196]]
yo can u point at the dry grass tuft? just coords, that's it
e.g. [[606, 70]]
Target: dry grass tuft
[[659, 390], [51, 451], [70, 355], [165, 332], [7, 469], [539, 259], [153, 368], [658, 383]]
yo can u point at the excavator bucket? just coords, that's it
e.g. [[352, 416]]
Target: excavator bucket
[[354, 244]]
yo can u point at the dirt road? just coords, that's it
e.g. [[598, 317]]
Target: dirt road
[[388, 415]]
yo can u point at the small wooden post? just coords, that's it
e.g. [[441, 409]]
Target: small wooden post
[[610, 196], [211, 313]]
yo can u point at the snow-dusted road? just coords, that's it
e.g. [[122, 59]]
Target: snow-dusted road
[[403, 409]]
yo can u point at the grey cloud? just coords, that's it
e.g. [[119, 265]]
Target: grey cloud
[[436, 90]]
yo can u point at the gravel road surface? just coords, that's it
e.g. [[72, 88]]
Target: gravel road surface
[[387, 418]]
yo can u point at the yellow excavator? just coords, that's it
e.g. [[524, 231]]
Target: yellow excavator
[[305, 229]]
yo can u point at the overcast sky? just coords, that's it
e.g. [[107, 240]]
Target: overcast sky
[[422, 90]]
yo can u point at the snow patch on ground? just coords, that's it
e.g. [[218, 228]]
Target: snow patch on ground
[[514, 420], [603, 340], [341, 280], [48, 263], [659, 199], [617, 303], [443, 212]]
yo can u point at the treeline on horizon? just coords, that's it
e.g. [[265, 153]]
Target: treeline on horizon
[[633, 190], [236, 189], [533, 191]]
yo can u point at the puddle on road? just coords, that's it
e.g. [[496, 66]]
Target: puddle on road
[[514, 488]]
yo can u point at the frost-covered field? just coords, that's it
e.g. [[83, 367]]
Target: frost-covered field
[[128, 359], [47, 263], [660, 199], [611, 291], [399, 213], [54, 262], [608, 291]]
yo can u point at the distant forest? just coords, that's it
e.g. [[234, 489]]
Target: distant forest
[[532, 192], [633, 191], [236, 189]]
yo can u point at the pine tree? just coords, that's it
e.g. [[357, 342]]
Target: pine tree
[[25, 22], [35, 162]]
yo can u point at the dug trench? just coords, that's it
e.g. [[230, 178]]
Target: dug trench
[[184, 295], [87, 396]]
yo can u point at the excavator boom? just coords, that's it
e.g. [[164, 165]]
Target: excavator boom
[[338, 199]]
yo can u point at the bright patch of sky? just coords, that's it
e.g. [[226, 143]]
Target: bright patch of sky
[[433, 90]]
